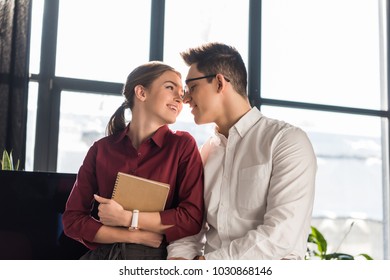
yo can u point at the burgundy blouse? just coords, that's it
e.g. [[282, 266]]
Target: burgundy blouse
[[169, 157]]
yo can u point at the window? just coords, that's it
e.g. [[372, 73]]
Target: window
[[322, 51], [100, 40], [349, 178], [81, 125], [322, 68], [94, 42], [190, 23], [331, 53]]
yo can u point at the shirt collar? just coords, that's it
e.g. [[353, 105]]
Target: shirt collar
[[122, 134], [247, 121], [158, 137], [243, 125]]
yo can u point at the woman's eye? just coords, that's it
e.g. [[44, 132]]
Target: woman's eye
[[170, 87]]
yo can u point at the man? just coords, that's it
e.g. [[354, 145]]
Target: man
[[259, 172]]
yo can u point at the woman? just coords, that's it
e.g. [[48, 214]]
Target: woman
[[145, 147]]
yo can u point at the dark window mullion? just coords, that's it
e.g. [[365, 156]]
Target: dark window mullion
[[47, 106], [157, 30], [54, 123], [386, 153], [91, 86], [254, 53]]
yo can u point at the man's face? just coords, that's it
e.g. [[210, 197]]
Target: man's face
[[202, 96]]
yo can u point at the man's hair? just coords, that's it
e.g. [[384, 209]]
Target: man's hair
[[218, 58]]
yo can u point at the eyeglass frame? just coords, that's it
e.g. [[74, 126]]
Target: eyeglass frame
[[186, 92]]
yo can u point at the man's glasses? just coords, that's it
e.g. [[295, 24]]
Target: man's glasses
[[198, 78], [187, 90]]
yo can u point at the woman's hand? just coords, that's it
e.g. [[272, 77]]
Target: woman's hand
[[147, 238], [111, 213]]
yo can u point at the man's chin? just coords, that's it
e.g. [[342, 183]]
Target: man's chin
[[199, 121]]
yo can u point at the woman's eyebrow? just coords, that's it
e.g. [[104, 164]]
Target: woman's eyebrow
[[169, 81]]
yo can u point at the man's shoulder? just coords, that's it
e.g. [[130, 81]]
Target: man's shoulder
[[268, 123], [262, 121], [271, 129]]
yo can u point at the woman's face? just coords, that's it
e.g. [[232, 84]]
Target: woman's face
[[164, 98]]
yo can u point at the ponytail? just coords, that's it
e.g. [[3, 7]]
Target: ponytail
[[117, 121]]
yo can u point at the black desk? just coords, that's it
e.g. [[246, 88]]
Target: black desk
[[31, 207]]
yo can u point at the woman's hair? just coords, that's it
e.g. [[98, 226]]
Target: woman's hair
[[218, 58], [143, 75]]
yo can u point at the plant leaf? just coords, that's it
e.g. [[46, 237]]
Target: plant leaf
[[11, 162], [338, 256], [6, 161], [319, 239], [311, 239], [366, 256]]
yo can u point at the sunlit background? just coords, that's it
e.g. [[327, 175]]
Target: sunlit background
[[328, 52]]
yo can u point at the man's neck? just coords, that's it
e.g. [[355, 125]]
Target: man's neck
[[233, 112]]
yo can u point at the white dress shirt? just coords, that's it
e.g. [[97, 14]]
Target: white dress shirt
[[259, 193]]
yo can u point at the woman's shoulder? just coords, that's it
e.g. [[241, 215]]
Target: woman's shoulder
[[107, 140], [181, 136]]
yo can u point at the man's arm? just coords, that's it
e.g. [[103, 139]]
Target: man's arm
[[188, 247]]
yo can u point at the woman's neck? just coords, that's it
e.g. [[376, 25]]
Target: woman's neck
[[140, 130]]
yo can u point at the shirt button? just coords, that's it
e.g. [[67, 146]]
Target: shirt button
[[139, 154]]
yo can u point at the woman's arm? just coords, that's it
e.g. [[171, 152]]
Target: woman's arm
[[108, 234], [112, 213]]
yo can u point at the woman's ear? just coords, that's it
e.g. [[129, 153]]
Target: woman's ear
[[139, 91]]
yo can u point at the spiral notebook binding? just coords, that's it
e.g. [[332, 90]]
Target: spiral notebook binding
[[115, 185]]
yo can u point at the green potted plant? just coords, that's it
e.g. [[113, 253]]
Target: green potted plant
[[321, 248], [7, 162]]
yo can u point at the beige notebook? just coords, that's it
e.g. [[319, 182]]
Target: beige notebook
[[133, 192]]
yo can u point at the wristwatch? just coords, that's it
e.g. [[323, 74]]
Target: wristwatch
[[134, 220]]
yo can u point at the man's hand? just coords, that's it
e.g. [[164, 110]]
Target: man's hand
[[111, 213], [197, 258]]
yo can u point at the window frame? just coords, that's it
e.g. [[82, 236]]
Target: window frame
[[51, 86]]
